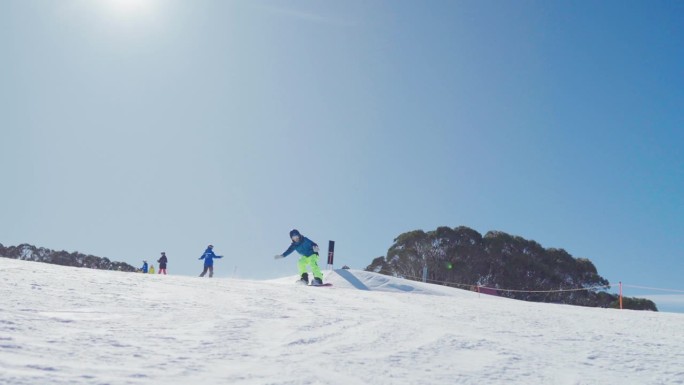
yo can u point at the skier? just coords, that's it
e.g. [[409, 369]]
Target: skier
[[151, 269], [208, 257], [144, 267], [162, 263], [309, 256]]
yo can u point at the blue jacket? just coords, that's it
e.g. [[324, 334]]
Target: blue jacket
[[209, 256], [305, 247], [144, 267]]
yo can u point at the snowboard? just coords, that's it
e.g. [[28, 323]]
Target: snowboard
[[300, 282], [323, 285]]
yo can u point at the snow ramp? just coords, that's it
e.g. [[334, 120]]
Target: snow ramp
[[370, 281]]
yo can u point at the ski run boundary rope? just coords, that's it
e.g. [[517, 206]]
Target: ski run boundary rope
[[445, 283]]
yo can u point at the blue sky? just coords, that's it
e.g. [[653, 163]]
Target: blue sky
[[135, 127]]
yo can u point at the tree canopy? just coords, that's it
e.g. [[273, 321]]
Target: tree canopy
[[41, 254], [515, 267]]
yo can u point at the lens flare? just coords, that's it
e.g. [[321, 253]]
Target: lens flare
[[131, 6]]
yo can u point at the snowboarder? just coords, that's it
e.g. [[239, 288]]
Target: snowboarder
[[309, 257], [162, 263], [208, 257], [144, 267]]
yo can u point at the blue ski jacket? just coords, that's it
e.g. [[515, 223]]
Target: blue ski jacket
[[305, 247], [209, 256]]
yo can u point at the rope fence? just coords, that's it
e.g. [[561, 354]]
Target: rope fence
[[468, 286], [478, 288]]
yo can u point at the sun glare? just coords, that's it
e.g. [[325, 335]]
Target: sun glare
[[131, 6]]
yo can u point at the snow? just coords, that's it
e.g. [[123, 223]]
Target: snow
[[62, 325]]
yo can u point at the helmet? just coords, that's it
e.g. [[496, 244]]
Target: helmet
[[211, 246], [295, 233]]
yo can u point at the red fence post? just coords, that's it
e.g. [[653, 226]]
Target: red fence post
[[620, 295]]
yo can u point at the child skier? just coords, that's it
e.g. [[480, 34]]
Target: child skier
[[309, 256], [151, 271], [144, 267], [162, 263], [208, 257]]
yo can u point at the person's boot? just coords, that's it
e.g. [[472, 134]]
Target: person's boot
[[305, 279], [317, 281]]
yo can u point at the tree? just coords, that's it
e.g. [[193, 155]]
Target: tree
[[32, 253], [517, 267]]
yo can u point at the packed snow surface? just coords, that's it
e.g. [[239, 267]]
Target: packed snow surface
[[61, 325]]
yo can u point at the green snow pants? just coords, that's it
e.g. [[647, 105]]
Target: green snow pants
[[311, 260]]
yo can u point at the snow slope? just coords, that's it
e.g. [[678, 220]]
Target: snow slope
[[61, 325]]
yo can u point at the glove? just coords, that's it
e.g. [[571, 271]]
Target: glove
[[279, 256], [315, 249]]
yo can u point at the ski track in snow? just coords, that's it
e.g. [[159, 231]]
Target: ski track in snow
[[61, 325]]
